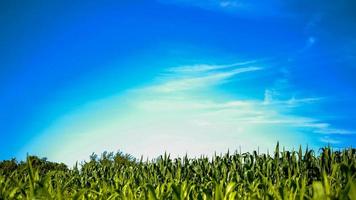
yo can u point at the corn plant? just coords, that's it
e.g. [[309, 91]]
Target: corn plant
[[326, 174]]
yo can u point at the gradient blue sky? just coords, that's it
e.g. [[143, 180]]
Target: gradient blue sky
[[175, 75]]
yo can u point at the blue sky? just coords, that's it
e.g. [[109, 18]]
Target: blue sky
[[175, 75]]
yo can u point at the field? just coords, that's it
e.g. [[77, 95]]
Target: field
[[301, 174]]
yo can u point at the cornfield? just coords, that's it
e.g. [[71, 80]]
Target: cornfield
[[325, 174]]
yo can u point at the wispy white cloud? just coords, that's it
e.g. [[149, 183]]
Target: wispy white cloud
[[334, 131], [269, 99], [246, 7], [178, 114], [329, 140], [268, 96], [206, 67], [270, 110], [309, 43], [176, 82], [294, 101], [233, 4]]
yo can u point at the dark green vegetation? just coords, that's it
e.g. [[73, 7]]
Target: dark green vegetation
[[284, 175]]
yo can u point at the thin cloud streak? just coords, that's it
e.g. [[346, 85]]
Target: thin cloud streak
[[196, 81], [206, 67]]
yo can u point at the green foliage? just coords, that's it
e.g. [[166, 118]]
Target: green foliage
[[285, 175]]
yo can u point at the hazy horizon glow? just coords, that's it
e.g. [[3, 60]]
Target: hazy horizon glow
[[228, 74]]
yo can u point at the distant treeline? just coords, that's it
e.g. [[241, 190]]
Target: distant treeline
[[307, 174]]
